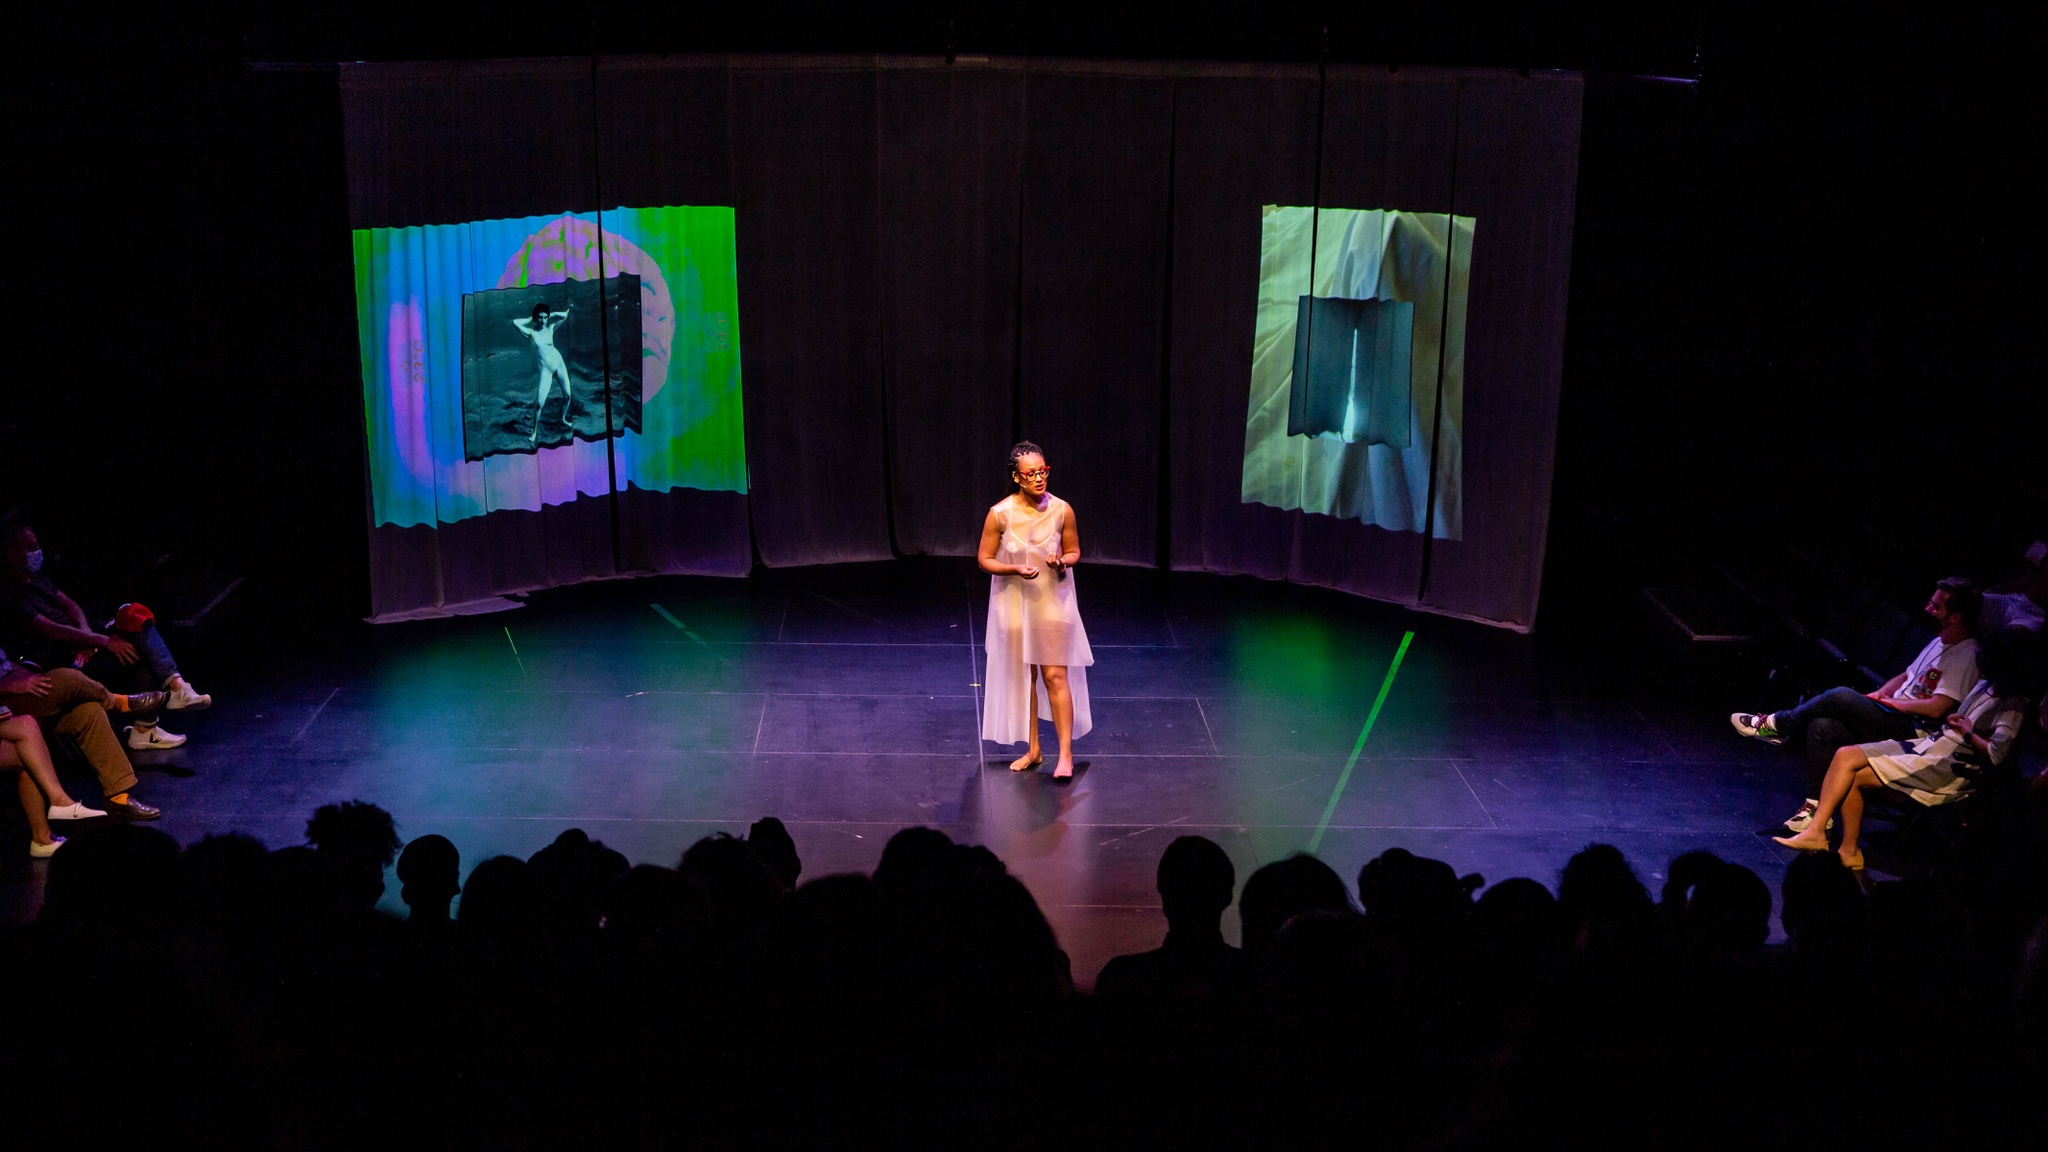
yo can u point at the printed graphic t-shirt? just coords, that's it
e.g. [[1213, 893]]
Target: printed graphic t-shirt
[[1945, 670]]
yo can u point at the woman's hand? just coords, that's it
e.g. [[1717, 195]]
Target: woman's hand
[[1027, 571], [1058, 564]]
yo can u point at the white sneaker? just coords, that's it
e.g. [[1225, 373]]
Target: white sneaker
[[73, 811], [45, 851], [183, 697], [1803, 819], [144, 739], [1756, 726]]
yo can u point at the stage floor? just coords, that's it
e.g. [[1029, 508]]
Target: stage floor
[[845, 701]]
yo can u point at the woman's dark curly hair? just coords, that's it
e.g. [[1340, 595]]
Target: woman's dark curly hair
[[1020, 450]]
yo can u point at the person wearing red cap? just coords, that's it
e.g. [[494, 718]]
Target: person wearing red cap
[[48, 628]]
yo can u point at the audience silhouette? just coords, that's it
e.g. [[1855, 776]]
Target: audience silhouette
[[259, 996]]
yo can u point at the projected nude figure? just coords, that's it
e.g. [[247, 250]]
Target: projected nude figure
[[540, 329]]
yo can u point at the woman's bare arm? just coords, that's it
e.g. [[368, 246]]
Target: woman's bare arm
[[1070, 544], [991, 537]]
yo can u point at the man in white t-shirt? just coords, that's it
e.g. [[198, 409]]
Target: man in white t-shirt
[[1911, 702]]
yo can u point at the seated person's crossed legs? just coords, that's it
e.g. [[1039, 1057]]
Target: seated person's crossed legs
[[1911, 702], [74, 706], [42, 795]]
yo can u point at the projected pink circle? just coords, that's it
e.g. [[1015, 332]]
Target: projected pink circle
[[567, 248]]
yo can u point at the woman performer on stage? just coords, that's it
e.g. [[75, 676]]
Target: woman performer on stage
[[1037, 649]]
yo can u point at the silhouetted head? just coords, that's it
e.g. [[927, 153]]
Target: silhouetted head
[[1824, 907], [1682, 875], [221, 882], [357, 841], [575, 875], [501, 899], [1517, 926], [1606, 902], [1402, 891], [1282, 890], [1730, 911], [912, 863], [740, 888], [429, 875], [776, 848], [1196, 882]]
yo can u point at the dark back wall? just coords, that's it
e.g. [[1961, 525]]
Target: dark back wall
[[1788, 282]]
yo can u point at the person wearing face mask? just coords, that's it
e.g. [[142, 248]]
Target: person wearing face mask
[[42, 625]]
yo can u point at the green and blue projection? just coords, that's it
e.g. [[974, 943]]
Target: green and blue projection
[[500, 356]]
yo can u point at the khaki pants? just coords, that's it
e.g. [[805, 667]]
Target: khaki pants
[[78, 705]]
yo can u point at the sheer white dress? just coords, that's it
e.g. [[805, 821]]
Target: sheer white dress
[[1032, 622]]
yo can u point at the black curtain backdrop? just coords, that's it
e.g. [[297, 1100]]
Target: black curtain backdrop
[[1097, 177], [951, 174], [1518, 163], [936, 259], [1243, 138], [804, 165]]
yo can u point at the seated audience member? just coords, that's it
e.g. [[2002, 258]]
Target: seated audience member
[[1932, 768], [776, 848], [356, 842], [2021, 603], [1910, 703], [78, 705], [43, 798], [1194, 967], [1280, 891], [48, 628], [429, 878]]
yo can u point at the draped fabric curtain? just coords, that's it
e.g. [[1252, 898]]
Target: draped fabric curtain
[[935, 260]]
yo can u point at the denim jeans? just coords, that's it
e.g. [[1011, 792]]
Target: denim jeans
[[1837, 718], [150, 672]]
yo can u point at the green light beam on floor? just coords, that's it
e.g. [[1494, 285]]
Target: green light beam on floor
[[1387, 685], [515, 654], [665, 614]]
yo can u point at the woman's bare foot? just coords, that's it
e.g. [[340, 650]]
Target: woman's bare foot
[[1811, 840], [1852, 859], [1030, 759], [1064, 769]]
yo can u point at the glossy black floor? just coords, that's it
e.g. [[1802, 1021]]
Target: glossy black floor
[[844, 700]]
